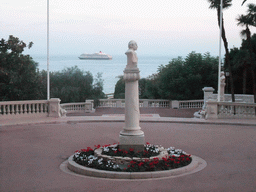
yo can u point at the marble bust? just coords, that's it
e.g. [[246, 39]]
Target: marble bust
[[132, 58]]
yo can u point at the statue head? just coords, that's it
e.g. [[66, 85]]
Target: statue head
[[132, 45]]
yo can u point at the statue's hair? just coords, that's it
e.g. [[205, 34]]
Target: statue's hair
[[131, 44]]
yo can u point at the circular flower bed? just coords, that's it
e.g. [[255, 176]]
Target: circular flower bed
[[147, 160]]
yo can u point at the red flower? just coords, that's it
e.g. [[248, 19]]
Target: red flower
[[84, 150], [151, 164], [115, 151], [140, 164], [77, 151], [187, 159], [132, 162], [97, 146], [146, 160], [147, 143], [156, 158], [131, 149], [156, 162], [125, 152]]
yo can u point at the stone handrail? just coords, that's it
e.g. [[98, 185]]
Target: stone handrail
[[24, 108], [229, 110], [236, 110], [78, 107], [188, 104], [142, 103]]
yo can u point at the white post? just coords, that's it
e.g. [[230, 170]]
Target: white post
[[221, 5], [48, 75], [132, 136]]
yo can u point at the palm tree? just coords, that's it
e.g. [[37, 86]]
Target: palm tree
[[215, 4], [246, 21], [244, 2]]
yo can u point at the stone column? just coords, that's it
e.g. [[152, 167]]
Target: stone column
[[132, 136]]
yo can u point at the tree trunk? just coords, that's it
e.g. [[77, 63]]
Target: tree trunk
[[227, 58], [244, 80]]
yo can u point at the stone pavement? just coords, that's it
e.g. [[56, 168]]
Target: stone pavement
[[31, 152]]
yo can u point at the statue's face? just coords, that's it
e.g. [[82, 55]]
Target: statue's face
[[133, 45]]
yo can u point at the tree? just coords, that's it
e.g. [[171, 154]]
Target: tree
[[215, 4], [184, 79], [244, 2], [19, 76], [246, 21], [120, 88], [75, 85]]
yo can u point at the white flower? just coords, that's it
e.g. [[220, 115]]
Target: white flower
[[114, 145], [91, 157], [114, 149], [106, 149]]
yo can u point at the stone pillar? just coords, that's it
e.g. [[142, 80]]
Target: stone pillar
[[211, 110], [208, 94], [54, 107], [132, 136]]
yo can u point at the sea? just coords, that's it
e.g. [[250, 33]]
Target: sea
[[110, 69]]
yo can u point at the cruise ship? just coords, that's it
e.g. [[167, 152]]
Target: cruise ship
[[100, 55]]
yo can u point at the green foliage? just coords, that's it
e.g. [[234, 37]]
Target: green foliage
[[120, 88], [180, 79], [74, 85], [240, 60], [19, 76], [184, 79]]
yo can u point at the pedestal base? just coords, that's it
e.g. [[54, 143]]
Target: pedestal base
[[135, 142]]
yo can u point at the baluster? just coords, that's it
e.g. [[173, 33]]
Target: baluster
[[4, 110], [15, 109], [29, 109], [8, 109], [41, 107], [36, 107]]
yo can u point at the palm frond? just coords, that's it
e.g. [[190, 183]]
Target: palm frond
[[244, 2], [215, 4]]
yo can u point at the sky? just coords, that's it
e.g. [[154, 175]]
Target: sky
[[161, 27]]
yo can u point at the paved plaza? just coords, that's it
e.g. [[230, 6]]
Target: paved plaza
[[31, 153]]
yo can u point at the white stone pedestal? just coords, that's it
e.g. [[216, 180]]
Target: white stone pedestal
[[132, 136]]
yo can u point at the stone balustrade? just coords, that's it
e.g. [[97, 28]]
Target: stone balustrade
[[30, 108], [87, 106], [36, 108], [142, 103], [229, 110], [187, 104]]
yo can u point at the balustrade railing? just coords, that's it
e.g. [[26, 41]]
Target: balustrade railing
[[142, 103], [71, 107], [24, 108], [236, 110], [191, 104]]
